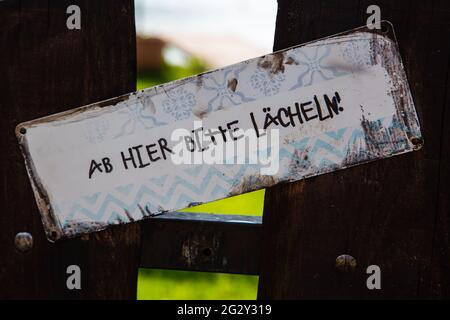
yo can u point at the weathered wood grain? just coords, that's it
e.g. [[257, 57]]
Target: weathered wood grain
[[392, 213], [45, 68], [441, 243]]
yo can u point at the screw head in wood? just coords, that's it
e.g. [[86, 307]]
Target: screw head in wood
[[23, 241], [345, 263]]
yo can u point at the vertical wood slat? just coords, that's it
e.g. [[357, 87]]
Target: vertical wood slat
[[46, 68], [441, 243], [393, 213]]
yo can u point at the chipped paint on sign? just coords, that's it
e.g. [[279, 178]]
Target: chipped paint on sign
[[350, 90]]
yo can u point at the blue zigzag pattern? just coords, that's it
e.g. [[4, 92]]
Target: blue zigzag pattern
[[163, 199]]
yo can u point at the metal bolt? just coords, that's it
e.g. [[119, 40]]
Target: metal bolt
[[23, 241], [417, 143], [345, 263]]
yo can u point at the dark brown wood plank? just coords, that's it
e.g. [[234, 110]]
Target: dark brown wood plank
[[202, 242], [441, 244], [45, 69], [383, 213]]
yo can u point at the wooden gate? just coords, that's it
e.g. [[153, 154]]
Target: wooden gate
[[392, 213]]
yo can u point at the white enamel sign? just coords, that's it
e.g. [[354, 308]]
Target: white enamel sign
[[286, 116]]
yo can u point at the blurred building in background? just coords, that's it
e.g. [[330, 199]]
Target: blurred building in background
[[213, 51], [149, 53], [218, 32]]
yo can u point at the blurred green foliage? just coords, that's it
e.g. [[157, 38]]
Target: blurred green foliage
[[167, 284], [182, 285], [249, 204], [169, 72]]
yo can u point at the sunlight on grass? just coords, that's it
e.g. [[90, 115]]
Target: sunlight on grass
[[182, 285], [249, 204]]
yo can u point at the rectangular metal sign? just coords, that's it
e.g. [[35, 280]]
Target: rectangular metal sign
[[304, 111]]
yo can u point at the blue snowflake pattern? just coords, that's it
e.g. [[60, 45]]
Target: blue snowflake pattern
[[226, 91], [180, 103], [137, 116], [314, 67], [95, 132], [266, 82]]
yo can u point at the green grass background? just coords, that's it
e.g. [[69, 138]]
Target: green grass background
[[167, 284]]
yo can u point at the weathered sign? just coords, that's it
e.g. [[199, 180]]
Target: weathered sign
[[308, 110]]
